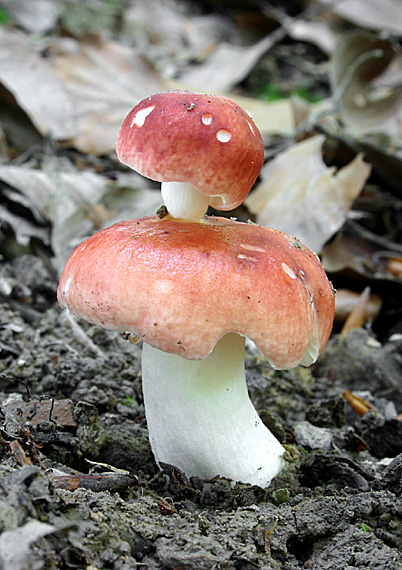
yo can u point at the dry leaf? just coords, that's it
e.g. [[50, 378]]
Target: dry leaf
[[346, 301], [273, 118], [366, 105], [15, 545], [318, 33], [33, 84], [301, 196], [374, 14], [104, 83], [171, 33], [360, 252], [225, 67], [36, 16]]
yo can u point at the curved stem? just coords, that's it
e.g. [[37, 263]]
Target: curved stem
[[200, 417]]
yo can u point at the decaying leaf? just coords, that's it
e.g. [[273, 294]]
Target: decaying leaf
[[81, 92], [346, 301], [103, 82], [225, 67], [36, 16], [317, 33], [172, 33], [384, 15], [15, 545], [364, 255], [301, 196], [366, 104], [76, 204], [33, 84]]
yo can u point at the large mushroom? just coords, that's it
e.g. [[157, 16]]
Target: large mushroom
[[192, 288]]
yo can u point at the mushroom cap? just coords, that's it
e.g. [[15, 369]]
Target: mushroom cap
[[180, 286], [205, 140]]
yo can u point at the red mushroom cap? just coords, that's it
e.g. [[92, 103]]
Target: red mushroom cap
[[181, 286], [205, 140]]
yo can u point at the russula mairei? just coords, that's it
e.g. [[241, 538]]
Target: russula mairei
[[206, 150], [193, 287]]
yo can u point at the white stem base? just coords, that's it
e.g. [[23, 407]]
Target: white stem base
[[183, 200], [200, 417]]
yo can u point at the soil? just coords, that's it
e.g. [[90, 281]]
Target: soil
[[79, 487]]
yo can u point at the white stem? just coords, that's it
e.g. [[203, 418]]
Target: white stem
[[200, 417], [183, 200]]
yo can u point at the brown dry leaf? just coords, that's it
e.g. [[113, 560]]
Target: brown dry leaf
[[363, 254], [104, 83], [367, 105], [346, 301], [35, 87], [373, 14], [357, 316], [301, 196], [225, 67]]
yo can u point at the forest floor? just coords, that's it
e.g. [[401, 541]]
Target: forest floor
[[80, 489]]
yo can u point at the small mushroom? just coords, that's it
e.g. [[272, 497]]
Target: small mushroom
[[204, 149], [192, 291]]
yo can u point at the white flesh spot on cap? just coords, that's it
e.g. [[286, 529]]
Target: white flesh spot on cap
[[223, 135], [242, 256], [141, 115], [67, 286], [288, 271], [251, 247]]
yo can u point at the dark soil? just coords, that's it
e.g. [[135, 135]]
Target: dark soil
[[79, 487]]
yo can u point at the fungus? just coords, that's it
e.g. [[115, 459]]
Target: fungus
[[204, 149], [193, 288]]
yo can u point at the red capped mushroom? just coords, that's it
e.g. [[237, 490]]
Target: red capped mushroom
[[193, 288], [192, 291], [204, 149]]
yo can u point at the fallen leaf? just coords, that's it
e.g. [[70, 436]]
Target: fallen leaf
[[172, 33], [225, 67], [346, 301], [360, 252], [301, 196], [34, 85], [318, 33], [36, 16], [15, 545], [104, 83], [357, 316], [366, 104], [384, 15]]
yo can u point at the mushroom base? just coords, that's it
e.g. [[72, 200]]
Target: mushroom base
[[200, 417]]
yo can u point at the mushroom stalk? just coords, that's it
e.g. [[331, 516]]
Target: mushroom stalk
[[183, 200], [200, 417]]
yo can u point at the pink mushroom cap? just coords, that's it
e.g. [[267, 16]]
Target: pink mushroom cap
[[181, 285], [207, 141]]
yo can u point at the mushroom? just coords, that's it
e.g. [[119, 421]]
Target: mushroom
[[193, 287], [192, 292], [204, 149]]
